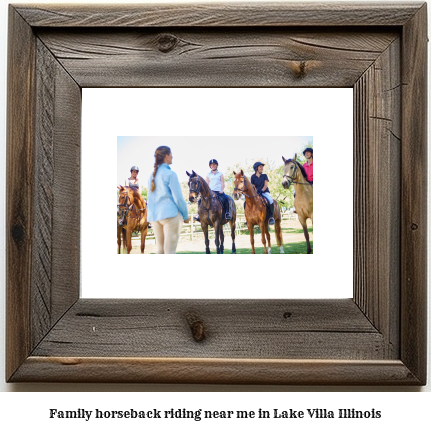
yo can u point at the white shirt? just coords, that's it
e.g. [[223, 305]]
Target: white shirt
[[215, 181]]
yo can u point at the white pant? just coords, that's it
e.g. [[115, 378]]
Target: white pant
[[167, 232], [269, 197]]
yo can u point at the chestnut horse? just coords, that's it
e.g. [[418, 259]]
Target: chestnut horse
[[255, 212], [133, 209], [295, 173], [211, 212]]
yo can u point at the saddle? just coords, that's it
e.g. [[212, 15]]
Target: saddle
[[267, 205], [222, 203]]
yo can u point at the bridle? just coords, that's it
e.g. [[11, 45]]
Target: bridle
[[292, 178], [127, 207], [126, 203], [198, 193], [199, 189], [243, 187]]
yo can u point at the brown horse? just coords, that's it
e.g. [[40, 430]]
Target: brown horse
[[133, 210], [255, 212], [295, 173], [211, 212]]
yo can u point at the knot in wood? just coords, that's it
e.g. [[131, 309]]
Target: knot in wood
[[18, 233], [287, 314], [414, 226], [197, 327], [167, 42]]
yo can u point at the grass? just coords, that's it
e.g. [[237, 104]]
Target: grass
[[293, 248]]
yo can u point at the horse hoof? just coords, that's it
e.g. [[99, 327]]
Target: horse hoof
[[281, 251]]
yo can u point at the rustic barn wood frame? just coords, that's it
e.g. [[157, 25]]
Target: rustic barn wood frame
[[378, 337]]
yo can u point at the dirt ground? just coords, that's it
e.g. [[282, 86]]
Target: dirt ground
[[241, 241]]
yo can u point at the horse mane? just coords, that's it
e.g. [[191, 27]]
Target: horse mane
[[304, 174], [253, 187], [205, 185], [136, 195]]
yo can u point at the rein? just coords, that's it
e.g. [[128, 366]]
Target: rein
[[242, 190], [198, 193], [292, 179], [133, 209]]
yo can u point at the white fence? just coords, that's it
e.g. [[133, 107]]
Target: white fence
[[193, 228]]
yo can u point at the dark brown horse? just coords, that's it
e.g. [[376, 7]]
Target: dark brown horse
[[211, 212], [132, 209], [255, 213], [295, 174]]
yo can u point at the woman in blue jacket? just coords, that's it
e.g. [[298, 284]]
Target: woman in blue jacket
[[167, 209]]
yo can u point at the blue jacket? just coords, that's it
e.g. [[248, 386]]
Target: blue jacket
[[166, 200]]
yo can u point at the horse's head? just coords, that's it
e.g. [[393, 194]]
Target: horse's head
[[195, 186], [290, 172], [239, 184], [124, 200]]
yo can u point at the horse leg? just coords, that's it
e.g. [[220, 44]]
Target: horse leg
[[221, 240], [217, 236], [119, 229], [144, 232], [124, 233], [279, 235], [129, 239], [304, 228], [232, 234], [207, 241], [262, 233], [268, 238], [251, 231]]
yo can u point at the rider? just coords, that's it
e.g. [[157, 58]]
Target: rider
[[260, 181], [215, 180], [133, 183], [308, 165]]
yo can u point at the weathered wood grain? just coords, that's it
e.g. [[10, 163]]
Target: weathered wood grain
[[242, 329], [377, 183], [20, 194], [221, 14], [215, 57], [216, 371], [414, 221], [56, 185]]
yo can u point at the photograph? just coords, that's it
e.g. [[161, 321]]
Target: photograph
[[235, 195]]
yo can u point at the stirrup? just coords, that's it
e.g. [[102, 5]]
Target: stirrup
[[271, 221], [228, 216], [196, 218]]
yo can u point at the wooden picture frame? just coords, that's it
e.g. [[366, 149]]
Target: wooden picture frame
[[376, 338]]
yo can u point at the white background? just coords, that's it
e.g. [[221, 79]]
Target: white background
[[326, 114], [402, 408]]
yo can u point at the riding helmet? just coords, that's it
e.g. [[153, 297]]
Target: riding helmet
[[213, 161], [134, 168], [308, 149], [257, 164]]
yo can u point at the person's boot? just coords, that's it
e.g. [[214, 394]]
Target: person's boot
[[271, 220]]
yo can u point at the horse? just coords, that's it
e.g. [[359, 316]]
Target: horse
[[211, 212], [256, 212], [295, 173], [133, 210]]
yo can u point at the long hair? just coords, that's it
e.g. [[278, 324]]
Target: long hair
[[159, 155]]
